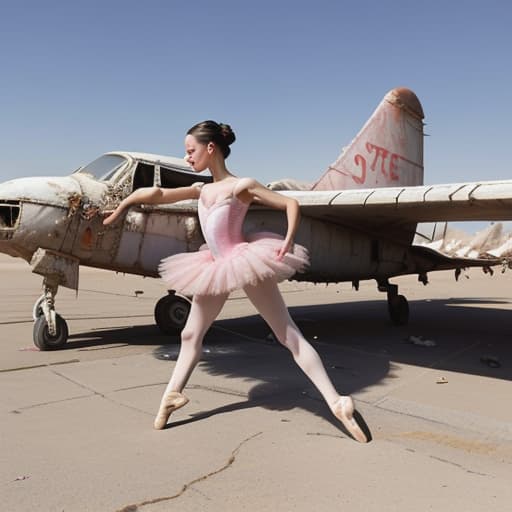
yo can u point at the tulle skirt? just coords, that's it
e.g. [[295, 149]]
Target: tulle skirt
[[200, 273]]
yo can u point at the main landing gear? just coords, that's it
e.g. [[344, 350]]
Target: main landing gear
[[398, 306], [171, 313], [50, 329]]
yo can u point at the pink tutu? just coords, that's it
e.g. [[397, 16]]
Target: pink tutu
[[229, 262], [200, 273]]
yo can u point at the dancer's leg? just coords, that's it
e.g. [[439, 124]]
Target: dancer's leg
[[203, 312], [269, 302]]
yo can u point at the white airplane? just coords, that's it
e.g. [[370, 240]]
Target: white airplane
[[358, 219]]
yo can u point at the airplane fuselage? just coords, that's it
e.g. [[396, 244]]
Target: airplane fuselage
[[71, 227]]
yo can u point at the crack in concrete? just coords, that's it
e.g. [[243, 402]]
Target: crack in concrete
[[139, 386], [110, 347], [458, 466], [410, 415], [33, 406], [496, 434], [101, 395], [81, 397], [322, 434], [79, 384], [44, 365], [223, 391], [136, 506]]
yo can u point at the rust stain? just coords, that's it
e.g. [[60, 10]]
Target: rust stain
[[73, 204], [87, 238], [466, 445], [405, 99], [90, 211]]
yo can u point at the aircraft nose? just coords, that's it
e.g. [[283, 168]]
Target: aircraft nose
[[40, 190]]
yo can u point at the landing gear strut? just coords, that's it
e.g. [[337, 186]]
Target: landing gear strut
[[398, 306], [50, 329], [171, 313]]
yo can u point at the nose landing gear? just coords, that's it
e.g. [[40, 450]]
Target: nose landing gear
[[50, 329]]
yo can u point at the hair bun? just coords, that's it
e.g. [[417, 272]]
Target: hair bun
[[227, 133]]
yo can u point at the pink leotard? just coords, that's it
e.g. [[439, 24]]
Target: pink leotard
[[229, 261]]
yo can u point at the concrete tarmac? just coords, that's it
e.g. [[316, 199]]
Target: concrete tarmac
[[76, 424]]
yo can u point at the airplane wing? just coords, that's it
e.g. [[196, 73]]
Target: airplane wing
[[380, 207], [393, 213]]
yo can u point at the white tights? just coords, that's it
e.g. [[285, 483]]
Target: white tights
[[267, 299]]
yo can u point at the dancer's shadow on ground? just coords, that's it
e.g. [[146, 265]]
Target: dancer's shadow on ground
[[356, 341], [357, 353], [264, 395]]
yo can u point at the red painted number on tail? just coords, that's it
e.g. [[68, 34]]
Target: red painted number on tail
[[388, 166]]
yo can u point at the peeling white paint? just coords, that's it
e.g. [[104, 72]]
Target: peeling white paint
[[51, 191]]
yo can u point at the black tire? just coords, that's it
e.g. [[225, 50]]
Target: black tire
[[171, 313], [398, 308], [42, 338]]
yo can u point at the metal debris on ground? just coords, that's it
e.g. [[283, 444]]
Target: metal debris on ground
[[490, 361], [22, 477], [420, 341], [442, 380]]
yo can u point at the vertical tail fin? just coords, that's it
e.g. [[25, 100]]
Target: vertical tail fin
[[387, 152]]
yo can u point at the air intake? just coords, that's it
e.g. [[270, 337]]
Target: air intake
[[9, 214]]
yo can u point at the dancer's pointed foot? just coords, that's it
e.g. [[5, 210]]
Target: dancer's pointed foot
[[343, 409], [171, 402]]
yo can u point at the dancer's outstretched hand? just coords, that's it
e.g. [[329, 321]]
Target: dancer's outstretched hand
[[285, 248], [111, 215]]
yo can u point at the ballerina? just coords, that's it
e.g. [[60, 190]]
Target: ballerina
[[229, 261]]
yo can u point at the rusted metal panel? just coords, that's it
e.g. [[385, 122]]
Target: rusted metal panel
[[60, 268]]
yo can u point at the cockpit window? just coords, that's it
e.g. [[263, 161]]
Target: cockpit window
[[173, 178], [144, 176], [104, 167]]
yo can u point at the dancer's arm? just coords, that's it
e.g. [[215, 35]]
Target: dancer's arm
[[250, 190], [153, 195]]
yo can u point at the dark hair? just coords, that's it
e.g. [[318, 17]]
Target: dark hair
[[209, 131]]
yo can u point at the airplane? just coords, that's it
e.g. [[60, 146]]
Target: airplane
[[359, 219]]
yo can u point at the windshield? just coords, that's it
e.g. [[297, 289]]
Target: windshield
[[104, 167]]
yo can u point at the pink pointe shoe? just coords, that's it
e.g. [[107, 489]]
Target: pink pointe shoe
[[171, 402], [344, 410]]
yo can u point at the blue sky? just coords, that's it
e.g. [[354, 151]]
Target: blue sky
[[295, 79]]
